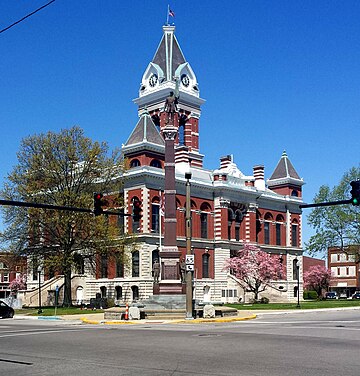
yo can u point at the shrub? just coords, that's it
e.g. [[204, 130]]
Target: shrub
[[264, 300], [310, 295]]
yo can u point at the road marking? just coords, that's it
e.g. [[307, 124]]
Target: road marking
[[38, 332]]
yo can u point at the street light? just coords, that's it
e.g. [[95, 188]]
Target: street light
[[298, 281], [39, 276], [189, 284]]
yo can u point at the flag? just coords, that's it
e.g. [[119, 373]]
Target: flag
[[171, 13]]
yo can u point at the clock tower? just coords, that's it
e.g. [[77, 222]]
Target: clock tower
[[168, 72]]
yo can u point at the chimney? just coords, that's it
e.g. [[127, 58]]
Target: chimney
[[225, 161], [259, 177]]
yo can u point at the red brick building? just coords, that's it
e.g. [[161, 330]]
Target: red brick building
[[11, 267], [345, 273], [228, 208]]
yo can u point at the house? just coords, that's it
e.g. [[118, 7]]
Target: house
[[345, 273]]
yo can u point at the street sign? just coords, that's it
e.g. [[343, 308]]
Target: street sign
[[189, 268], [189, 260]]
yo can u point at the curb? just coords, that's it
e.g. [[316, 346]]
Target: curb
[[182, 321]]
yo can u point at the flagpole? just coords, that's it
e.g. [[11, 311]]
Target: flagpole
[[167, 16]]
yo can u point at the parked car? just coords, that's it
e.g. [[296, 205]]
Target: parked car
[[356, 295], [5, 310], [331, 295]]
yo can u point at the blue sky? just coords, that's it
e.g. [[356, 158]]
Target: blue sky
[[276, 75]]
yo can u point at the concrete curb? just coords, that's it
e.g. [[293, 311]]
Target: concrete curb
[[182, 321]]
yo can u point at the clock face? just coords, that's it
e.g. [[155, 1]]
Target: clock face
[[153, 80], [185, 80]]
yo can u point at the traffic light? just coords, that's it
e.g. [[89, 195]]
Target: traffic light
[[136, 210], [355, 192], [98, 203]]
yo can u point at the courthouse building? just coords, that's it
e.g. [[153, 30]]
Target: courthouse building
[[228, 208]]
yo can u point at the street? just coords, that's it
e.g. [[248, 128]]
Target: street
[[310, 343]]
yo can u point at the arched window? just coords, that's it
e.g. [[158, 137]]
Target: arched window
[[267, 222], [231, 217], [135, 261], [205, 265], [181, 129], [155, 215], [134, 163], [155, 163], [238, 219], [103, 291], [118, 292], [104, 266], [205, 208], [135, 221], [294, 193], [294, 234], [279, 225], [119, 267], [135, 292]]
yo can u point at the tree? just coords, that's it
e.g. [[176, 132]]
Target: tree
[[255, 269], [317, 278], [336, 226], [62, 169], [19, 283]]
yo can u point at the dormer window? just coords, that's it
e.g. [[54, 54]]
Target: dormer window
[[155, 163], [134, 163]]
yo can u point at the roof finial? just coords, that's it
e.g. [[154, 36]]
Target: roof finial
[[284, 155]]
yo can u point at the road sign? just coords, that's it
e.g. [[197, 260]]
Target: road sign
[[189, 260], [189, 268]]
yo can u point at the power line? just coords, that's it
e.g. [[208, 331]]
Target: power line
[[30, 14]]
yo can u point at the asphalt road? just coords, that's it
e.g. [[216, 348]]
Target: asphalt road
[[325, 343]]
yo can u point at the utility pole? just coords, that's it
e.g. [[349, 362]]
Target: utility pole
[[189, 255]]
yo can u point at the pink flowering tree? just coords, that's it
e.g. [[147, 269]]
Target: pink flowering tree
[[254, 269], [317, 278], [19, 283]]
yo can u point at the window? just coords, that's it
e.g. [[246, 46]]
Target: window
[[135, 292], [205, 265], [135, 264], [237, 233], [267, 232], [278, 228], [6, 277], [296, 291], [103, 291], [155, 217], [134, 163], [118, 292], [35, 266], [119, 268], [267, 221], [204, 225], [155, 163], [294, 193], [104, 266], [294, 235]]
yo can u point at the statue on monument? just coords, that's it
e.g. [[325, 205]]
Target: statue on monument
[[156, 271], [170, 107], [182, 268], [171, 103]]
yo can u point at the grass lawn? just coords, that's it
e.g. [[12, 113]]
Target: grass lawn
[[50, 311], [307, 304]]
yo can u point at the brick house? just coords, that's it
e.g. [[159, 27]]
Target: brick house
[[345, 273]]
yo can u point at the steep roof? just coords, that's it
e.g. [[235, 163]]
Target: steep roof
[[145, 131], [285, 172], [168, 55]]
